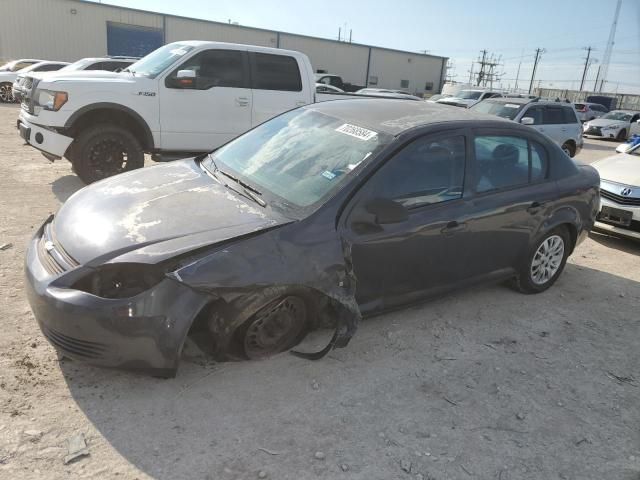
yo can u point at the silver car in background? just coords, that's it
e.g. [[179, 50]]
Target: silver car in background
[[557, 120], [588, 111]]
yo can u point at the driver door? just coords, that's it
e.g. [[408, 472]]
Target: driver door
[[202, 113], [405, 258]]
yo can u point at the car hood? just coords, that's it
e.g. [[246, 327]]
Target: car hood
[[176, 204], [7, 76], [602, 122], [622, 168], [83, 76]]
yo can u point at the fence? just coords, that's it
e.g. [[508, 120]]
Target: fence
[[624, 101]]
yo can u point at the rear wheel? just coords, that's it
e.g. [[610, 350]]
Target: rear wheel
[[569, 149], [622, 136], [545, 262], [276, 328], [105, 150], [6, 95]]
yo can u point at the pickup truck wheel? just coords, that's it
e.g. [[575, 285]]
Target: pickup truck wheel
[[105, 150], [6, 95]]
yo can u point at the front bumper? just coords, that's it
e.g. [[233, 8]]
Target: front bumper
[[600, 132], [145, 332], [631, 231], [48, 141]]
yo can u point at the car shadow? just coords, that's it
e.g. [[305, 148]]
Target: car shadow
[[486, 351], [65, 186], [626, 245], [601, 145]]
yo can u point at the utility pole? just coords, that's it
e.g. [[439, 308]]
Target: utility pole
[[586, 67], [515, 88], [539, 51], [487, 73], [595, 85], [471, 73], [482, 63]]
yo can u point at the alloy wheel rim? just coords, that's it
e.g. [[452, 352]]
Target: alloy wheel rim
[[5, 93], [547, 259], [108, 158]]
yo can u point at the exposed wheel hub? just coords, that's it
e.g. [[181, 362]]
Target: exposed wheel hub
[[275, 329]]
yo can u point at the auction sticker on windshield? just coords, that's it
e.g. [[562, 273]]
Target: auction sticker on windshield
[[355, 131]]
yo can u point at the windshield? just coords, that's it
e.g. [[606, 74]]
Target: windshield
[[469, 95], [158, 60], [500, 109], [625, 117], [301, 156]]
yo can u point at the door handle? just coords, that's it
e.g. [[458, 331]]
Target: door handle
[[453, 227], [535, 207], [242, 101]]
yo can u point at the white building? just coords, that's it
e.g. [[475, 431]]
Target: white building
[[72, 29]]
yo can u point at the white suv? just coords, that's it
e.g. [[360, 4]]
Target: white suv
[[184, 98], [557, 120]]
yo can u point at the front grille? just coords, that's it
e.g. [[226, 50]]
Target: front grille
[[619, 199], [594, 131], [27, 83], [53, 257], [74, 346]]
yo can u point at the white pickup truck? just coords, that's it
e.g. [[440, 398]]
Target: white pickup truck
[[184, 98]]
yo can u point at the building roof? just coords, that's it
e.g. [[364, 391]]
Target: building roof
[[395, 116]]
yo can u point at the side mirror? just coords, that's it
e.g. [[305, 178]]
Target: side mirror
[[527, 121], [186, 78]]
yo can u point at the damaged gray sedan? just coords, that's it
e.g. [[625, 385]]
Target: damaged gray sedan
[[313, 219]]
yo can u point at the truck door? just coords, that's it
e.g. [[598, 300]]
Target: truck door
[[209, 104], [277, 85]]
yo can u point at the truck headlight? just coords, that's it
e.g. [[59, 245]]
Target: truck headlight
[[50, 100]]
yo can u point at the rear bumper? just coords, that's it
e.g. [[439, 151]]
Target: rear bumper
[[45, 140], [144, 333]]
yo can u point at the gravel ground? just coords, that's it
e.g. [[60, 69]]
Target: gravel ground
[[482, 384]]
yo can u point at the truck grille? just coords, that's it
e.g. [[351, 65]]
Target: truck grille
[[619, 199]]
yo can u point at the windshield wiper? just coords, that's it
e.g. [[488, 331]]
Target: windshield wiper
[[247, 190]]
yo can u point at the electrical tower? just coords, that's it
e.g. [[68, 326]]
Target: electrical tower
[[450, 75], [607, 53], [488, 69]]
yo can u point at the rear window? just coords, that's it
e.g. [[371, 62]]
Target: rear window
[[579, 106], [275, 72]]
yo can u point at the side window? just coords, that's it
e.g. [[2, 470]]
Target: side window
[[21, 65], [425, 172], [325, 80], [569, 115], [115, 66], [213, 68], [553, 116], [539, 162], [335, 81], [95, 66], [504, 162], [275, 72], [49, 67], [535, 113]]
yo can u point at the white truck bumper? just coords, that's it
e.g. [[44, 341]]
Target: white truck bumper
[[52, 144]]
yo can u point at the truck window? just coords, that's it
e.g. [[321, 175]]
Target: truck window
[[553, 116], [215, 68], [275, 72]]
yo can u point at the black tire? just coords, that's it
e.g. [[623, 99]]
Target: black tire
[[622, 135], [275, 328], [104, 150], [525, 281], [6, 94], [569, 149]]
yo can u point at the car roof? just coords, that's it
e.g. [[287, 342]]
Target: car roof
[[109, 59], [203, 43], [394, 116]]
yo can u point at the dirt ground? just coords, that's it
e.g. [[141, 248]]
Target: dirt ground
[[482, 384]]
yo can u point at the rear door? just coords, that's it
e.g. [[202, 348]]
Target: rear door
[[554, 123], [276, 82], [202, 113], [511, 197]]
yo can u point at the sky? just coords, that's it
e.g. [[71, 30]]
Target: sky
[[458, 29]]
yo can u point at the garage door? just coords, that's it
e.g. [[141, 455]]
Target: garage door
[[132, 40]]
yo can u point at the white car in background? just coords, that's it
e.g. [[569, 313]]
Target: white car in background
[[8, 74], [324, 88], [468, 98], [617, 124], [620, 193], [17, 89]]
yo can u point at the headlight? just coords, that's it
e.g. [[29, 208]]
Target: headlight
[[123, 280], [50, 100]]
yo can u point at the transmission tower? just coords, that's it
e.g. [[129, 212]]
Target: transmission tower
[[607, 53], [488, 72]]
